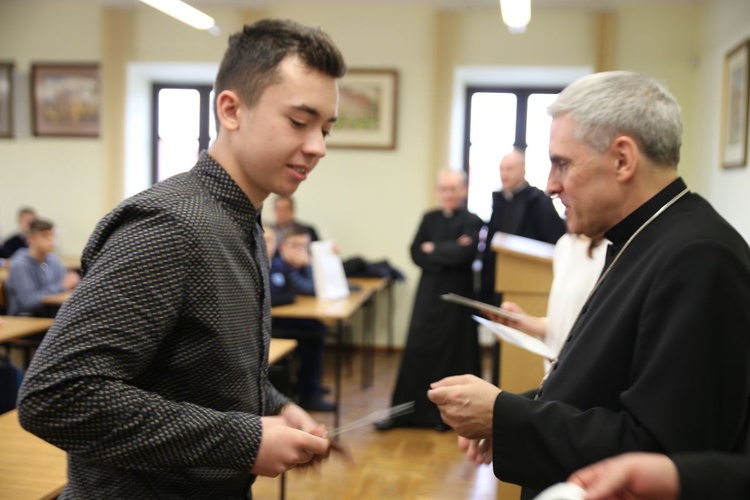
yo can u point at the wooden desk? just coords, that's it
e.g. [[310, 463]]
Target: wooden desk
[[337, 311], [29, 467], [56, 299], [279, 349], [18, 327]]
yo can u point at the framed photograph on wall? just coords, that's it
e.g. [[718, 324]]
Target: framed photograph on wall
[[368, 109], [65, 100], [736, 87], [6, 99]]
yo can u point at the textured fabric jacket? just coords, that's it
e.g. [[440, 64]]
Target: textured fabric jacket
[[154, 375]]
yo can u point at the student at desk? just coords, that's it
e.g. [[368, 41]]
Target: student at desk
[[290, 275], [36, 272]]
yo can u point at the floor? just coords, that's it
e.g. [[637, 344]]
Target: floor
[[416, 464]]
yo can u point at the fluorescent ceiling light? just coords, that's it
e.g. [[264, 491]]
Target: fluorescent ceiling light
[[183, 12], [516, 14]]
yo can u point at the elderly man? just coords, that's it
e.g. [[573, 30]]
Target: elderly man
[[659, 357], [517, 208], [442, 337]]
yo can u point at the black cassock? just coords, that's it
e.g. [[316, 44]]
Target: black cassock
[[442, 338]]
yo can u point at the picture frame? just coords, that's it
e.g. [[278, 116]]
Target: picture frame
[[368, 110], [6, 98], [66, 99], [735, 106]]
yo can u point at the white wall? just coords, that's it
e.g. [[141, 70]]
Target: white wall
[[725, 24]]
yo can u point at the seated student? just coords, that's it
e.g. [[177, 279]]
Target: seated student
[[291, 274], [36, 272], [285, 219], [19, 240]]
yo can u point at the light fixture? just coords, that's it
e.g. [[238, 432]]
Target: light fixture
[[185, 13], [516, 14]]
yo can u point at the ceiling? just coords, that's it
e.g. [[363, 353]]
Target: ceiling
[[447, 4]]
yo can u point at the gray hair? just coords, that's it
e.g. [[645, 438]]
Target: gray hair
[[604, 105]]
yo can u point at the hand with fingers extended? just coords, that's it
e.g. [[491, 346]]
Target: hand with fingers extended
[[283, 447]]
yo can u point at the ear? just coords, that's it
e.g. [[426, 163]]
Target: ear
[[227, 109], [627, 154]]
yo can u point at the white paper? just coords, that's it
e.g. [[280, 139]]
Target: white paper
[[562, 491], [517, 338], [328, 271]]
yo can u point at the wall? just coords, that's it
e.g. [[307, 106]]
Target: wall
[[369, 201], [62, 178], [725, 23]]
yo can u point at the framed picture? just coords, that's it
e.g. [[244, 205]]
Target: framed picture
[[368, 108], [735, 106], [6, 99], [65, 100]]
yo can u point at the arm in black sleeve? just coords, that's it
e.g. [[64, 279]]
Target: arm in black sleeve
[[713, 475]]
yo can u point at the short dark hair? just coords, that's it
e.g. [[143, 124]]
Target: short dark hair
[[39, 225], [251, 60], [297, 231]]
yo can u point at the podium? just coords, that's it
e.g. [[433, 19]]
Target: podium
[[523, 276]]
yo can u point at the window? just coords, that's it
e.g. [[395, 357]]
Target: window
[[497, 119], [183, 126]]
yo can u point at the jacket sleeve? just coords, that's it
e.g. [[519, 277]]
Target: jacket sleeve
[[417, 255], [451, 253], [79, 392], [713, 475]]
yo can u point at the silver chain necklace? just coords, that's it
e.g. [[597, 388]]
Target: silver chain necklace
[[604, 275]]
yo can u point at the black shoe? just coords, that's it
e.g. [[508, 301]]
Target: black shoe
[[317, 404], [385, 425], [442, 427], [324, 389]]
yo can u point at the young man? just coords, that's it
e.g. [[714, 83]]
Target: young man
[[659, 356], [19, 240], [154, 376], [36, 272], [291, 274]]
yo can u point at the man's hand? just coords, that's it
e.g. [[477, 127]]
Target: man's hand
[[295, 256], [427, 247], [283, 448], [465, 240], [478, 451], [466, 403], [71, 280], [641, 476]]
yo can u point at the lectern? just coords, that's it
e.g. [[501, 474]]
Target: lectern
[[523, 276]]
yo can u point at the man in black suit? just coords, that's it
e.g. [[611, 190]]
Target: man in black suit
[[520, 209], [659, 357]]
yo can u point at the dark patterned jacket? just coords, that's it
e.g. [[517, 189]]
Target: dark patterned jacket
[[154, 375]]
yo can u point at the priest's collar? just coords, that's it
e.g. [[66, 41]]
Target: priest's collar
[[624, 229]]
